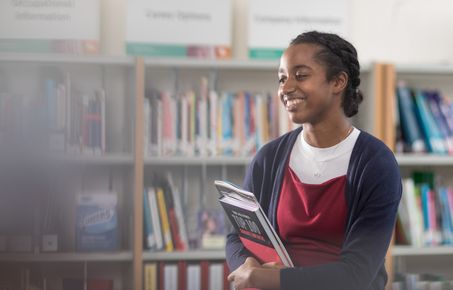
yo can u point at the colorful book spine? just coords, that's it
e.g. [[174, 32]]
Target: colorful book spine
[[166, 231], [409, 124], [431, 132], [150, 239]]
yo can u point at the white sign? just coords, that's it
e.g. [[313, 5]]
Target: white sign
[[175, 27], [30, 22], [273, 24]]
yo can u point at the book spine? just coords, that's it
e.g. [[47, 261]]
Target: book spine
[[409, 124], [166, 232], [150, 240]]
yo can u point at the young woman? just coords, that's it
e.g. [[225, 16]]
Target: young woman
[[330, 190]]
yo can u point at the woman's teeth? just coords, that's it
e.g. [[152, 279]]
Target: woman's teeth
[[293, 103]]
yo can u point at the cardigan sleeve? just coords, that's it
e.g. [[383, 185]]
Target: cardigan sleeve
[[235, 251], [377, 191]]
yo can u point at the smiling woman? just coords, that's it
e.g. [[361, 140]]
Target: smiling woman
[[330, 189]]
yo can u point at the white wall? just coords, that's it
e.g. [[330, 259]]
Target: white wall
[[403, 31]]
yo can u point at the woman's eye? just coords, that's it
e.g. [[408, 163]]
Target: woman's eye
[[301, 76], [281, 80]]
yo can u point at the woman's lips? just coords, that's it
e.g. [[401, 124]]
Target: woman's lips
[[291, 104]]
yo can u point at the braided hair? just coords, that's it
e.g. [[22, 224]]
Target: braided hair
[[338, 55]]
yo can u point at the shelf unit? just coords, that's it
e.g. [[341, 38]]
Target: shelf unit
[[169, 74], [112, 169], [431, 259], [233, 75]]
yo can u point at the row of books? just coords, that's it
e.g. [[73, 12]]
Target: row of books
[[415, 281], [186, 275], [165, 225], [211, 123], [425, 121], [63, 119], [425, 214], [76, 120]]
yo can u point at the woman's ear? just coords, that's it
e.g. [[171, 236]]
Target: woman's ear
[[340, 82]]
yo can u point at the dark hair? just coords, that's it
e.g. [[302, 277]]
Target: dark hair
[[338, 55]]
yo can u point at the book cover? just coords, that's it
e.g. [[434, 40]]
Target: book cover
[[96, 221], [211, 228], [249, 220]]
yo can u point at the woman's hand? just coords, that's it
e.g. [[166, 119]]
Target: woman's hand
[[253, 275], [242, 276]]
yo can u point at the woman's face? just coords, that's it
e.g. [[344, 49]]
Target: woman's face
[[303, 88]]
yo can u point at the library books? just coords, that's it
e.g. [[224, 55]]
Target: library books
[[186, 275], [249, 220], [210, 123], [164, 224], [425, 214]]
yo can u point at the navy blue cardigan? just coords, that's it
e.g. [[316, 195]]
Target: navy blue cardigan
[[373, 192]]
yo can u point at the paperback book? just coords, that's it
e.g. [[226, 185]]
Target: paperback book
[[252, 225]]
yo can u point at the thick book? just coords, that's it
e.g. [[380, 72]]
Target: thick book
[[252, 225]]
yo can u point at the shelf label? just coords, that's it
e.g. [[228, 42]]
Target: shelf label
[[58, 26], [173, 28], [272, 25]]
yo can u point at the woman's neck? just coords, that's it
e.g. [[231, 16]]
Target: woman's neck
[[324, 136]]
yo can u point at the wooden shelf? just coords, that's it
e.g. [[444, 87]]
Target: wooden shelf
[[188, 255], [424, 159], [105, 159], [67, 257], [406, 251], [424, 68], [221, 160]]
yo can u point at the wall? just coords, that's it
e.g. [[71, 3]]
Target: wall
[[403, 31]]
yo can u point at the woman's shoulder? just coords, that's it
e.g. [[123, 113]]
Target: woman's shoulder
[[369, 149]]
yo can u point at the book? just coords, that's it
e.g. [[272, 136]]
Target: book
[[410, 127], [97, 221], [211, 228], [433, 137], [155, 218], [165, 223], [150, 276], [249, 220], [149, 234]]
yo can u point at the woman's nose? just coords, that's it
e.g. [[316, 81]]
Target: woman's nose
[[288, 87]]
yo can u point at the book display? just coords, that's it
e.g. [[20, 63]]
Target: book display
[[424, 229], [69, 119]]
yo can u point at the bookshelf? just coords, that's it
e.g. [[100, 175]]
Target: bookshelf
[[126, 167], [437, 258], [196, 173], [70, 172]]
